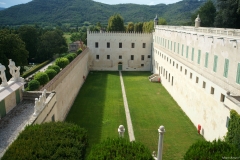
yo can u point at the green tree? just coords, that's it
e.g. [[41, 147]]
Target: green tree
[[51, 73], [148, 27], [33, 85], [130, 27], [41, 77], [115, 23], [75, 37], [162, 21], [62, 62], [30, 36], [228, 15], [207, 13], [55, 67], [138, 27]]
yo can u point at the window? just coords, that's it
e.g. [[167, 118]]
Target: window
[[97, 56], [174, 46], [149, 56], [168, 44], [187, 52], [222, 98], [182, 49], [53, 118], [204, 85], [96, 44], [108, 56], [133, 45], [142, 57], [178, 49], [108, 44], [197, 79], [132, 57], [144, 45], [177, 66], [199, 56], [212, 90], [215, 63], [120, 45], [192, 54], [227, 122], [142, 65], [120, 57], [190, 75], [181, 68], [171, 45], [225, 73], [238, 74], [173, 63], [185, 72], [206, 59]]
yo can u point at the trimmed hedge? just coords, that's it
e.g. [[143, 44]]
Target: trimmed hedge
[[33, 85], [62, 62], [120, 149], [54, 140], [55, 67], [71, 56], [51, 73], [35, 69], [79, 51], [211, 150], [41, 77]]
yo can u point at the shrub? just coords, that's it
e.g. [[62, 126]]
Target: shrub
[[41, 77], [79, 51], [55, 67], [33, 85], [55, 140], [35, 68], [62, 62], [211, 150], [71, 56], [51, 73], [119, 149]]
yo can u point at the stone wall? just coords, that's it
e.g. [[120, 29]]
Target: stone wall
[[68, 83]]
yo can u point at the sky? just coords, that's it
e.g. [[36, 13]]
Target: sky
[[9, 3]]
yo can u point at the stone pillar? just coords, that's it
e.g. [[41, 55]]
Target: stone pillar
[[161, 131], [197, 21], [121, 131]]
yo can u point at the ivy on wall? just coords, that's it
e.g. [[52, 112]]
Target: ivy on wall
[[233, 134]]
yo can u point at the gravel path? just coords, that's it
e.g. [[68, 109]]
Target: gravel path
[[128, 117], [14, 122]]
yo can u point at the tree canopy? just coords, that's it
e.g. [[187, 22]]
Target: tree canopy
[[115, 23]]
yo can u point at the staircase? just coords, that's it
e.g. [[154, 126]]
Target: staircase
[[155, 78]]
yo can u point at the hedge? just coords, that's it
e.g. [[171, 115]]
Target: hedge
[[62, 62], [55, 67], [71, 56], [233, 134], [53, 141], [121, 149], [41, 77], [33, 85], [211, 150], [79, 51], [35, 69], [51, 73]]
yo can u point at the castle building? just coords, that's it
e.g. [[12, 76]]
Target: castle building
[[200, 67]]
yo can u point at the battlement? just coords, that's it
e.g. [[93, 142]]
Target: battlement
[[117, 33], [224, 32]]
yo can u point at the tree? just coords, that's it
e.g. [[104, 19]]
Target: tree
[[115, 23], [138, 27], [51, 73], [41, 77], [148, 27], [130, 27], [75, 37], [228, 15], [30, 36], [207, 13], [33, 85], [62, 62], [55, 67], [162, 21]]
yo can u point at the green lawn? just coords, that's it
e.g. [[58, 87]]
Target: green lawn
[[99, 106], [150, 106], [67, 37]]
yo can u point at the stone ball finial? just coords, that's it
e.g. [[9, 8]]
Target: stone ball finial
[[161, 129]]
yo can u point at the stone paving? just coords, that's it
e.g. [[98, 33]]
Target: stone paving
[[14, 122], [127, 112]]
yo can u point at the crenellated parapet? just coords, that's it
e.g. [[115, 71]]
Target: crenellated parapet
[[117, 33]]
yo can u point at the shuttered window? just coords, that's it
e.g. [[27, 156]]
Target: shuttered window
[[226, 64], [215, 63], [187, 51], [178, 49], [206, 59], [182, 49], [192, 54], [199, 56], [238, 74]]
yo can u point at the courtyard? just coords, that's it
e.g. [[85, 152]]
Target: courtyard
[[99, 108]]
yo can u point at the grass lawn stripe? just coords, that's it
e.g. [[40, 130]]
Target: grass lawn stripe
[[150, 106]]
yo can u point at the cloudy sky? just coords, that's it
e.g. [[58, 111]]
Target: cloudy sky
[[9, 3]]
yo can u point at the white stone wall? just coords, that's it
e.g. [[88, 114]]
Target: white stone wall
[[137, 64], [187, 76]]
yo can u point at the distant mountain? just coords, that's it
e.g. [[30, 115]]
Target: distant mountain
[[1, 8], [80, 11]]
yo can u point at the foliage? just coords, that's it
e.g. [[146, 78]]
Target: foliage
[[35, 69], [33, 85], [62, 62], [41, 77], [115, 23], [211, 150], [207, 13], [120, 149], [233, 134], [55, 67], [148, 27], [228, 15], [79, 51], [138, 27], [54, 140], [51, 73], [71, 56], [75, 37], [130, 27], [162, 21]]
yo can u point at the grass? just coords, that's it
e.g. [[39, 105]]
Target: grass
[[67, 37], [151, 106], [99, 107]]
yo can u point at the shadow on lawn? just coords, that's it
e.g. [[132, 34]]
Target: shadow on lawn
[[87, 110]]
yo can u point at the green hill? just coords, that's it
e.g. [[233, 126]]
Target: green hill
[[80, 11]]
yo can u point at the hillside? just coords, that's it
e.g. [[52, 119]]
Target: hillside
[[2, 8], [80, 11]]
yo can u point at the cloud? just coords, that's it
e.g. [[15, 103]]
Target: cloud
[[152, 3], [2, 3]]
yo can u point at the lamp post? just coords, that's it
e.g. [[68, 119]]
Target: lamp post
[[161, 132]]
